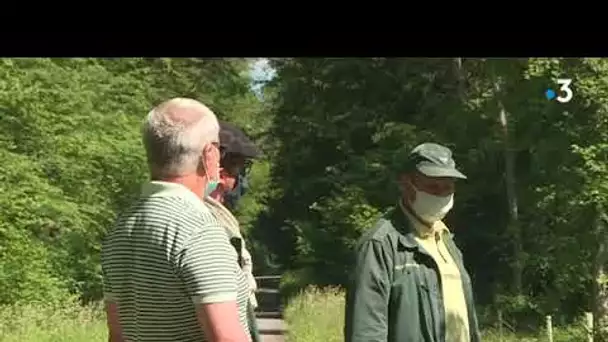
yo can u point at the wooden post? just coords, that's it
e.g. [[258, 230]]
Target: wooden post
[[500, 326], [549, 329], [589, 326]]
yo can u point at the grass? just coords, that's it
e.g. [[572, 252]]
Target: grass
[[315, 315], [312, 315], [68, 322], [318, 315]]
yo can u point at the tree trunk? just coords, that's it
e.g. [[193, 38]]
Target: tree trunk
[[600, 285], [460, 79], [513, 226]]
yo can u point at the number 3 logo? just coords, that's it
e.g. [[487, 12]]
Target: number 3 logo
[[565, 87]]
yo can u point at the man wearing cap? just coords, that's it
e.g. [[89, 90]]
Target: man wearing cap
[[237, 152], [409, 283]]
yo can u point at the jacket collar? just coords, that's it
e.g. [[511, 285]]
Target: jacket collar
[[402, 224], [224, 216], [406, 229]]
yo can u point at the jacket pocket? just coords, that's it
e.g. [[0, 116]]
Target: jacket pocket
[[428, 299], [411, 305]]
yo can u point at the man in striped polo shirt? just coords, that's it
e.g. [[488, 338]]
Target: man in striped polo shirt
[[170, 272]]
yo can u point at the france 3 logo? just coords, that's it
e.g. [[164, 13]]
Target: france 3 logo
[[565, 91]]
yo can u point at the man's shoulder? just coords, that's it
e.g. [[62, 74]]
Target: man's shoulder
[[174, 198], [164, 212], [382, 229], [182, 205]]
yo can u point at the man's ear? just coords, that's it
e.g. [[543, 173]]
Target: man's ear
[[223, 174], [403, 181], [209, 154], [406, 187]]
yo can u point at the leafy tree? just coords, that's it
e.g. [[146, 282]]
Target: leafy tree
[[338, 124], [71, 146]]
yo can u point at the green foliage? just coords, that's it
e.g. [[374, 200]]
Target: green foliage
[[339, 124], [294, 282], [332, 131], [72, 157], [33, 211], [327, 247], [252, 203]]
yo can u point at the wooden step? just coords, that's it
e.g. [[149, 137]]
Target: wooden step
[[268, 291], [271, 282], [271, 326], [269, 314]]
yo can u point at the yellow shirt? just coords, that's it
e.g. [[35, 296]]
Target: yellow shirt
[[456, 315]]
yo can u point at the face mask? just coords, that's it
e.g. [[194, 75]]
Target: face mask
[[232, 197], [432, 208], [211, 187], [212, 182]]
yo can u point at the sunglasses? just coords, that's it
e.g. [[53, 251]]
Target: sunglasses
[[236, 167]]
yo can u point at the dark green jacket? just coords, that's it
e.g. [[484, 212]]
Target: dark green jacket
[[395, 292]]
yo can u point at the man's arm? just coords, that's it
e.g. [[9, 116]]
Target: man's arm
[[114, 328], [367, 296], [220, 322], [115, 333], [208, 268]]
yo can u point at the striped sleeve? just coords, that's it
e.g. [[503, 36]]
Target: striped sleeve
[[108, 295], [207, 266]]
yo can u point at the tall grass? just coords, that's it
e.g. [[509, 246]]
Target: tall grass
[[313, 315], [42, 322], [318, 315]]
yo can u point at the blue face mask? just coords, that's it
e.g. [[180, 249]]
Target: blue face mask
[[232, 197]]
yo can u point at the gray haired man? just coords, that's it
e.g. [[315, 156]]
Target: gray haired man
[[170, 273]]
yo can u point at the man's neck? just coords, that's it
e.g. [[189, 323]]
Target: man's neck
[[193, 182]]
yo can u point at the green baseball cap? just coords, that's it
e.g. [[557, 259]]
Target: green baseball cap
[[432, 160]]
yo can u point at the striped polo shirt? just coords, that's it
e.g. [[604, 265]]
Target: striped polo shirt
[[166, 253]]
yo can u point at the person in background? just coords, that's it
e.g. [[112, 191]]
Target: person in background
[[237, 154], [409, 283], [169, 270]]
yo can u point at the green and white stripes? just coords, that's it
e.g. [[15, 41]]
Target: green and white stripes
[[166, 254]]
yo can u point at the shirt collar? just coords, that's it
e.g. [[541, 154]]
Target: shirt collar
[[421, 229], [170, 189]]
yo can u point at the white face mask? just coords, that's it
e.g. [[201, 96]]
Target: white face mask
[[432, 208]]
